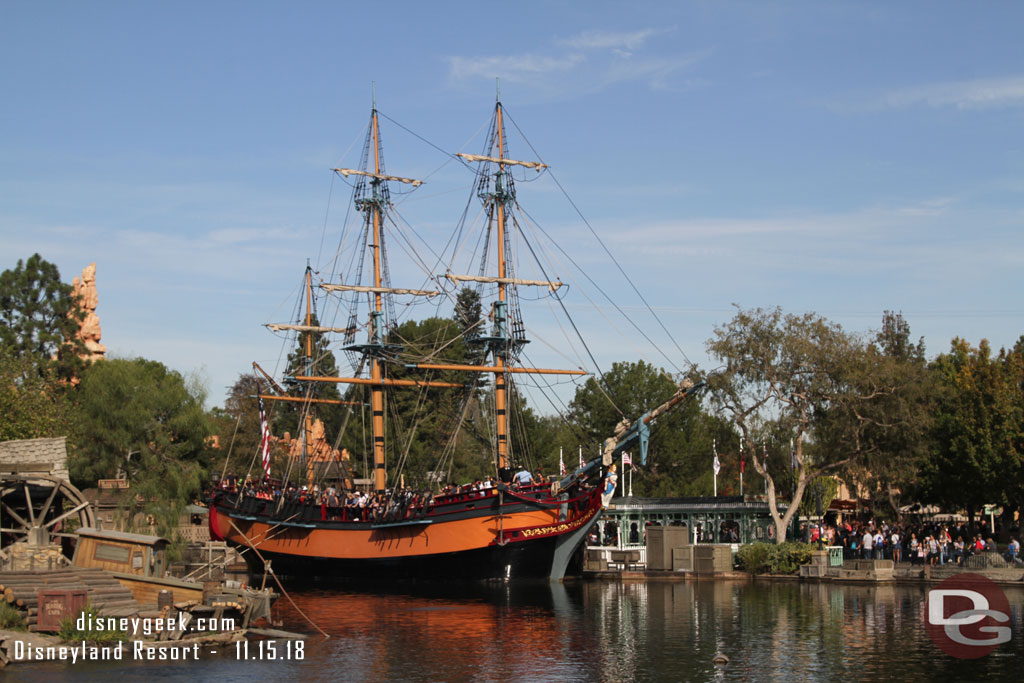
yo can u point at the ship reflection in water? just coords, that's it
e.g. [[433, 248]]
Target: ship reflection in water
[[596, 631], [637, 631]]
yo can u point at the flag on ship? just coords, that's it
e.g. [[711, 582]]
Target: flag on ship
[[561, 463], [264, 440], [716, 465], [626, 460]]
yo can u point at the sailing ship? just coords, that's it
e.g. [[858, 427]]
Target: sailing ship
[[517, 527]]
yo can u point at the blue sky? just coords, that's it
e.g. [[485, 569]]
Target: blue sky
[[843, 157]]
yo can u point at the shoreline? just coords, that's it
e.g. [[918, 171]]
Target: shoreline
[[924, 576]]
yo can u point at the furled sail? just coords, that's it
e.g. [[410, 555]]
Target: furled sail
[[504, 281], [379, 176], [309, 328], [509, 162], [378, 290]]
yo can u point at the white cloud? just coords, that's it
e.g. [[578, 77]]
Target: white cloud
[[584, 64], [514, 68], [629, 40], [982, 93]]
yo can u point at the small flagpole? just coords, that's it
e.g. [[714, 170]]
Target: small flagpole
[[741, 467], [714, 467], [630, 477]]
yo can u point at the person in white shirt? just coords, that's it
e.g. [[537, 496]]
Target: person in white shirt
[[867, 545]]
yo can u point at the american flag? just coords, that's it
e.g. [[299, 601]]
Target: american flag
[[264, 439], [561, 463], [626, 460]]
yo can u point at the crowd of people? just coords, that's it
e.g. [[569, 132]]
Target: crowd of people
[[931, 543], [351, 505]]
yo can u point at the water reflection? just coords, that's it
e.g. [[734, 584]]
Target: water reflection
[[636, 631], [612, 632]]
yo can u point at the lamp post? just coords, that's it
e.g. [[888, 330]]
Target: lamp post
[[820, 519]]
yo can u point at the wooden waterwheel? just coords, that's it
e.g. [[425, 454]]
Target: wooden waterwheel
[[40, 510]]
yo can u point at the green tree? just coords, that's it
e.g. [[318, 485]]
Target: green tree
[[434, 430], [310, 357], [977, 445], [467, 311], [782, 375], [39, 316], [33, 401], [146, 421], [680, 450], [238, 431], [895, 434]]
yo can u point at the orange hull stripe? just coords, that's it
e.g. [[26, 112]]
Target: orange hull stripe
[[389, 542]]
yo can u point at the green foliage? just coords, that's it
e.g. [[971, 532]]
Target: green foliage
[[34, 403], [978, 442], [895, 426], [39, 316], [11, 619], [679, 455], [424, 423], [792, 374], [140, 418], [772, 558], [823, 488], [69, 632], [311, 357], [237, 426]]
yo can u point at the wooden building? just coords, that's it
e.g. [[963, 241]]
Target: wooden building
[[137, 561]]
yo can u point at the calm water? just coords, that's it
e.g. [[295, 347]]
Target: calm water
[[598, 632]]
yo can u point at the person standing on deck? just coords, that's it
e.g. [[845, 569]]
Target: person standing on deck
[[523, 477]]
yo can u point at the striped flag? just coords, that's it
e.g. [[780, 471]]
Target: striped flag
[[581, 456], [264, 440], [561, 463], [626, 460]]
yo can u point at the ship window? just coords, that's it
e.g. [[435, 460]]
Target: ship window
[[111, 553]]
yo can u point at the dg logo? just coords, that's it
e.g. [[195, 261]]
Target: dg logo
[[967, 616]]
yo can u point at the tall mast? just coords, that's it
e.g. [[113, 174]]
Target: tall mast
[[499, 308], [377, 392], [308, 433]]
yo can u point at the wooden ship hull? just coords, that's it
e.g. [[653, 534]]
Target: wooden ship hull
[[476, 536]]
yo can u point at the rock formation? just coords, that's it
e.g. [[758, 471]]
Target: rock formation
[[319, 449], [88, 297]]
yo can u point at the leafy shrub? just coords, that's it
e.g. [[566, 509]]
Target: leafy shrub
[[10, 618], [764, 558], [753, 557]]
